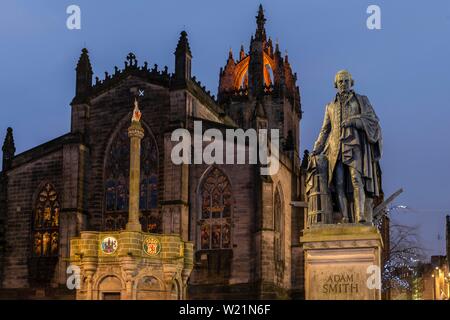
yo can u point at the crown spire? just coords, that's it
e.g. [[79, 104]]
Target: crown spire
[[260, 22]]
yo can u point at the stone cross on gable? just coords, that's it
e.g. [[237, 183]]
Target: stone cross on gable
[[131, 57]]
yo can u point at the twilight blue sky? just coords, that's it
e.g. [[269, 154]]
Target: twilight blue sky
[[404, 69]]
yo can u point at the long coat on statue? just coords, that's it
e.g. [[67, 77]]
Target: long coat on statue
[[359, 148]]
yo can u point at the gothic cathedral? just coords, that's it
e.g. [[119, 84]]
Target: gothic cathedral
[[243, 226]]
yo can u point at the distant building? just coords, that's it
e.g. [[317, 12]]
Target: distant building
[[433, 280]]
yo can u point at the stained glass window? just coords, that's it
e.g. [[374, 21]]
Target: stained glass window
[[46, 223], [215, 215], [117, 182]]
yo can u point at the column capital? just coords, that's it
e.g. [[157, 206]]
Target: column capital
[[135, 130]]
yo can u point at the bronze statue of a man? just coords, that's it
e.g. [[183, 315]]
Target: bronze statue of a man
[[350, 139]]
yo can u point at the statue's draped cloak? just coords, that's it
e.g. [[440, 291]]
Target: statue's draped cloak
[[359, 148]]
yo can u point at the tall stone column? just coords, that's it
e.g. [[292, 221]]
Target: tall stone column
[[135, 133]]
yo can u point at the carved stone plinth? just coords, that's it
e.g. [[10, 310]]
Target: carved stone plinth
[[342, 262], [130, 265]]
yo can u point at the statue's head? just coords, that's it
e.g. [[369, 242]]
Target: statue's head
[[343, 81]]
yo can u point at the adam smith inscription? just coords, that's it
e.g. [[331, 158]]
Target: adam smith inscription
[[340, 283]]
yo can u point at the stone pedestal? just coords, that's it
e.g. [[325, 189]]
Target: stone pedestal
[[130, 265], [342, 262]]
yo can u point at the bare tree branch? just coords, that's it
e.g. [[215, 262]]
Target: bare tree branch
[[404, 253]]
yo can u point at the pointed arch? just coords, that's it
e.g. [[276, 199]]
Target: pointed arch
[[215, 210], [116, 180], [45, 235], [279, 232], [241, 72]]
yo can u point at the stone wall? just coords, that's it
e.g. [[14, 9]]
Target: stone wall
[[109, 112], [24, 184], [76, 170], [250, 268]]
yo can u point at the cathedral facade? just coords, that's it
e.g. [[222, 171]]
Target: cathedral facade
[[243, 226]]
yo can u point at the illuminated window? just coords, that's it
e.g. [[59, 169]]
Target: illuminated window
[[244, 80], [216, 211], [117, 182], [268, 74], [241, 72], [46, 223]]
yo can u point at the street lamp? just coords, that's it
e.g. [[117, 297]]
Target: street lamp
[[381, 210]]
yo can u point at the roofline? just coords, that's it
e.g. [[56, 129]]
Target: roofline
[[45, 148]]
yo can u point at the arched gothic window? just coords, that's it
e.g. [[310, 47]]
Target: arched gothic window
[[241, 72], [216, 211], [46, 223], [278, 233], [268, 74], [117, 183], [244, 80]]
